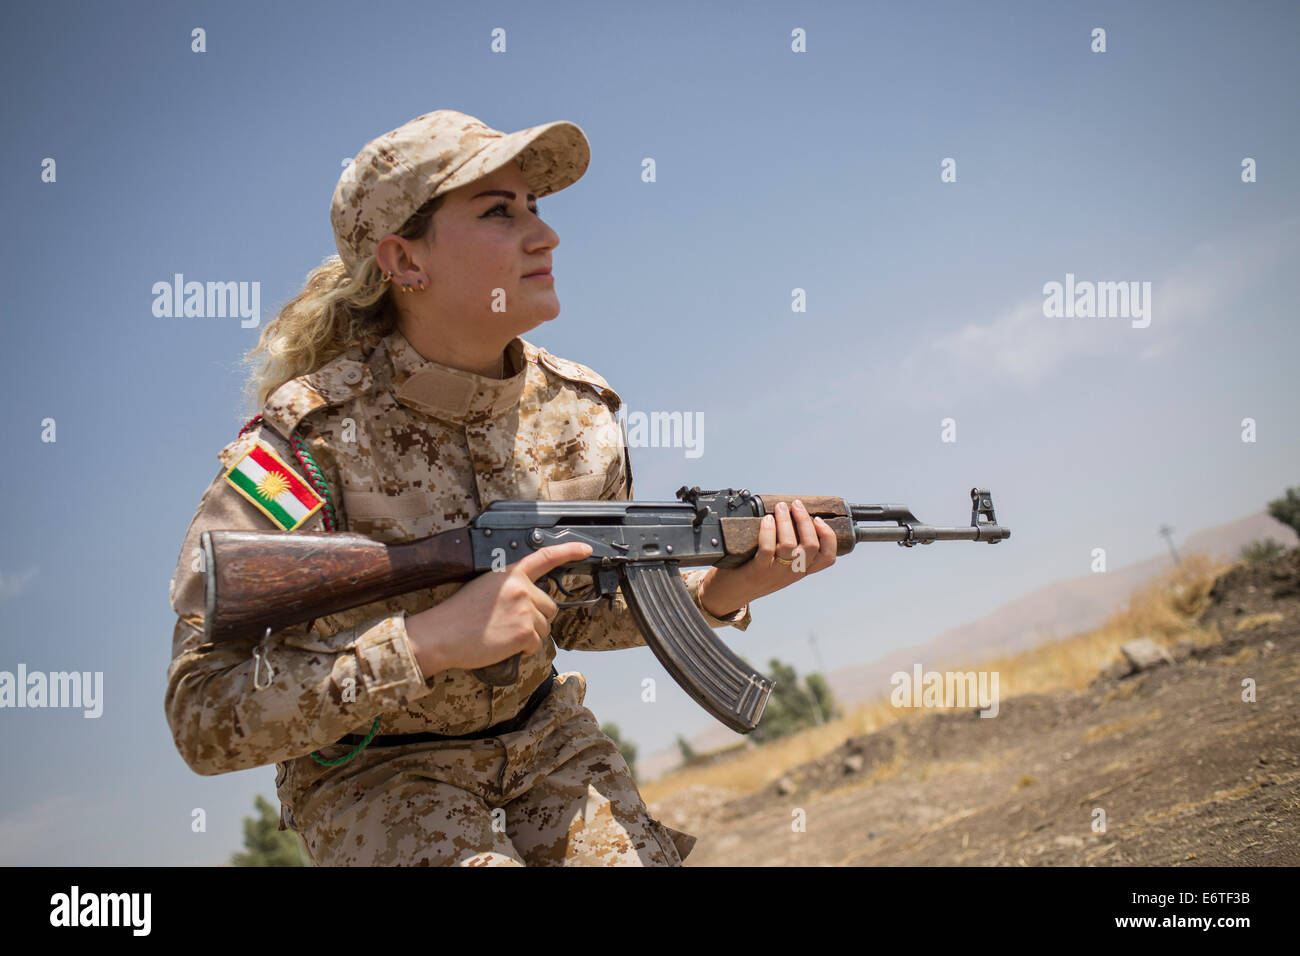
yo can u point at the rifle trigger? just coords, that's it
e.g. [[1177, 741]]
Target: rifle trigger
[[554, 577]]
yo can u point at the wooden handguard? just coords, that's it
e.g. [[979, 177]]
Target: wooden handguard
[[825, 505], [740, 535]]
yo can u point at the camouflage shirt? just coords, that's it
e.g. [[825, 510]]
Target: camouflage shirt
[[407, 448]]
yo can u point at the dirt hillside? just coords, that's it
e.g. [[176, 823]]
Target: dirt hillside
[[1183, 768]]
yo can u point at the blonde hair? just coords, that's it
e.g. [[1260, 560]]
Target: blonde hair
[[334, 311]]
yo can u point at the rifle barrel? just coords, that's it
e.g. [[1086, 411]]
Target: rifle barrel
[[923, 533]]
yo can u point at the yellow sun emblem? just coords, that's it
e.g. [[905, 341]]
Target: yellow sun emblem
[[272, 486]]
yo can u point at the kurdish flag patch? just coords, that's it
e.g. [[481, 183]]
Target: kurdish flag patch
[[265, 480]]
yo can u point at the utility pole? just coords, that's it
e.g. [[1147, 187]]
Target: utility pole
[[1168, 533], [821, 669]]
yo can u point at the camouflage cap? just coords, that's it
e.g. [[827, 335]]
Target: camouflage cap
[[398, 172]]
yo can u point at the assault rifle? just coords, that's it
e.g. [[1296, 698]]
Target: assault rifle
[[259, 581]]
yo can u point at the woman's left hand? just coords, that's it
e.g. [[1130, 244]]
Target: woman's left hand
[[805, 544]]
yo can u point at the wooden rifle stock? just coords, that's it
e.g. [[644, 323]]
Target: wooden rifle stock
[[250, 587]]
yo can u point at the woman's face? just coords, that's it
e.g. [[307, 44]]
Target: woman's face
[[487, 237]]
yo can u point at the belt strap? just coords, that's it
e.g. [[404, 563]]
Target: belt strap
[[504, 727]]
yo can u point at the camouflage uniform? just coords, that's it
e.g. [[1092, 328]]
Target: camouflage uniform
[[408, 448]]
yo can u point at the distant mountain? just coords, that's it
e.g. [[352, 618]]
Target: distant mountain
[[1053, 612]]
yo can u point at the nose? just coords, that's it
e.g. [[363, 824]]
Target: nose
[[542, 236]]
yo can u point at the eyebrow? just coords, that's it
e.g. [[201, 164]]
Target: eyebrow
[[503, 192]]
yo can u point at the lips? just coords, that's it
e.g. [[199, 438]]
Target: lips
[[539, 272]]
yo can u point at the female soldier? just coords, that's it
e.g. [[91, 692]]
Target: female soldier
[[397, 401]]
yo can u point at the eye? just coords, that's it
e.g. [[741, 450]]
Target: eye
[[506, 209]]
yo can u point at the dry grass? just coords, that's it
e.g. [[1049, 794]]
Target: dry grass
[[1119, 726], [1252, 621], [1162, 611], [754, 769]]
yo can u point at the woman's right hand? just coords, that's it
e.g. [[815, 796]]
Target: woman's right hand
[[493, 617]]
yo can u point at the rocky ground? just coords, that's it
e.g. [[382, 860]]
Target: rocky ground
[[1184, 770]]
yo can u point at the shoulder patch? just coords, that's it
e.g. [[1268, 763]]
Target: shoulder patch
[[338, 380], [263, 477], [575, 372]]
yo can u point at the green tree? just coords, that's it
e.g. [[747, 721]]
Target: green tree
[[821, 693], [1287, 509], [267, 845], [794, 706], [1262, 550], [687, 751], [625, 747]]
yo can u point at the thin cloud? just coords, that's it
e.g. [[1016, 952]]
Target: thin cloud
[[1021, 346], [1024, 348], [1217, 270]]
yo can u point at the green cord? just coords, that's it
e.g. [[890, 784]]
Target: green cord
[[317, 479], [331, 524], [374, 729]]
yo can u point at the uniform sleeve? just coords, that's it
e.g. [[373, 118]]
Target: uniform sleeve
[[241, 704], [604, 628]]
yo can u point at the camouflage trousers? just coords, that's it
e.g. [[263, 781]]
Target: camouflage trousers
[[555, 793]]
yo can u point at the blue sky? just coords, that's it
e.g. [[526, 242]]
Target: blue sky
[[775, 171]]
